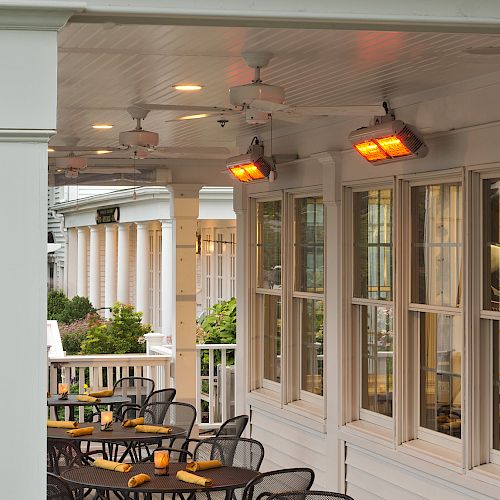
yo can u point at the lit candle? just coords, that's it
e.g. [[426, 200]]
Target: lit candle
[[161, 462], [63, 390], [106, 420]]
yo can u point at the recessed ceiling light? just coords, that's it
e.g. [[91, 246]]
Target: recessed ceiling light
[[193, 117], [50, 150], [102, 125], [187, 87], [484, 51], [103, 151]]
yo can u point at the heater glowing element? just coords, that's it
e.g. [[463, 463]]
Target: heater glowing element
[[240, 173], [253, 165], [393, 146], [371, 151]]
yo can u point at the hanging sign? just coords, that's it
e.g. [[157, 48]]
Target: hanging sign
[[107, 215]]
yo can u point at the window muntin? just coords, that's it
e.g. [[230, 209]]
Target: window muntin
[[377, 348], [491, 249], [269, 244], [309, 245], [440, 373], [310, 322], [436, 244], [372, 242], [270, 307]]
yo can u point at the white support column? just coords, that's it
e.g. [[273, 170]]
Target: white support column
[[94, 268], [185, 211], [122, 293], [110, 270], [167, 274], [71, 267], [28, 51], [82, 288], [142, 271]]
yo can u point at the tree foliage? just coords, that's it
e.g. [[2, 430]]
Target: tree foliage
[[219, 325], [66, 311]]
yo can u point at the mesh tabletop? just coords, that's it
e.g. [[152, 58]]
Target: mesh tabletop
[[72, 401], [119, 434], [224, 478]]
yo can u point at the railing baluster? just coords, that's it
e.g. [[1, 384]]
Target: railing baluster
[[199, 354], [222, 386], [211, 380]]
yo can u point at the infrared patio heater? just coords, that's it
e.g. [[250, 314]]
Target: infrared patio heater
[[388, 140], [253, 165]]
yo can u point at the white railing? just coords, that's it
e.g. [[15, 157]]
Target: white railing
[[103, 370], [214, 383]]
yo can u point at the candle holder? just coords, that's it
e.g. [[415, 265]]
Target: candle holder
[[106, 420], [63, 391], [161, 460]]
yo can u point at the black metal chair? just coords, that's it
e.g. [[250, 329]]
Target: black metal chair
[[62, 455], [57, 488], [310, 495], [233, 427], [153, 410], [278, 481], [138, 389]]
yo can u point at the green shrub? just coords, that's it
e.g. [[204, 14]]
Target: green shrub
[[73, 334], [64, 310], [56, 302], [219, 325], [124, 333]]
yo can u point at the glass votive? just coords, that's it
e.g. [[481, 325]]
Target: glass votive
[[160, 458], [106, 420], [62, 390]]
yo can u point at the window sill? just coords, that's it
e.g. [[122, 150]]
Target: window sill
[[430, 452], [489, 473], [367, 430]]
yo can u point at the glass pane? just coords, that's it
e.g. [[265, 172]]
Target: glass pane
[[269, 244], [311, 335], [436, 260], [309, 244], [271, 316], [496, 385], [440, 371], [491, 272], [377, 344], [373, 244]]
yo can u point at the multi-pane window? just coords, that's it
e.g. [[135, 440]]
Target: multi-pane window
[[372, 285], [308, 290], [436, 286], [268, 270]]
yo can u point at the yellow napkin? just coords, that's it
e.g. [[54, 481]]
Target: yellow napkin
[[208, 464], [109, 465], [107, 393], [182, 475], [62, 424], [137, 480], [87, 399], [153, 429], [80, 432], [132, 422]]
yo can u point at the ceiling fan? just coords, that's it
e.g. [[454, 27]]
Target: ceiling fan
[[258, 101]]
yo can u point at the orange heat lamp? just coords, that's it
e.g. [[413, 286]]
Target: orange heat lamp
[[251, 166], [388, 141]]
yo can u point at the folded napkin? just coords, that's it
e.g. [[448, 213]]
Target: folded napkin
[[109, 465], [208, 464], [87, 399], [153, 429], [107, 393], [137, 480], [182, 475], [80, 432], [132, 422], [62, 424]]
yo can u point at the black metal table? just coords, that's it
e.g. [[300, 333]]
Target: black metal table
[[224, 479], [119, 436], [72, 402]]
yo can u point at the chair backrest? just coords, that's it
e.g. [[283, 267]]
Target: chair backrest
[[64, 455], [138, 389], [278, 481], [310, 495], [57, 488], [154, 413], [161, 396], [181, 415], [234, 426], [232, 451]]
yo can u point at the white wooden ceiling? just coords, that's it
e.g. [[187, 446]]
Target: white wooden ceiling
[[103, 68]]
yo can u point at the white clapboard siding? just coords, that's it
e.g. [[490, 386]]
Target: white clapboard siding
[[372, 476], [289, 445]]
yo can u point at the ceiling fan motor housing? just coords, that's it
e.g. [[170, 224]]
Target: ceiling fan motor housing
[[140, 138], [242, 95], [71, 162]]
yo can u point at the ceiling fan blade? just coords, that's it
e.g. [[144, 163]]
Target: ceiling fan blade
[[83, 149], [182, 107], [180, 150], [268, 106], [347, 110], [112, 170], [289, 117]]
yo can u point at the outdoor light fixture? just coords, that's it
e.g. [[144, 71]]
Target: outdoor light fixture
[[102, 126], [253, 165], [387, 141]]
